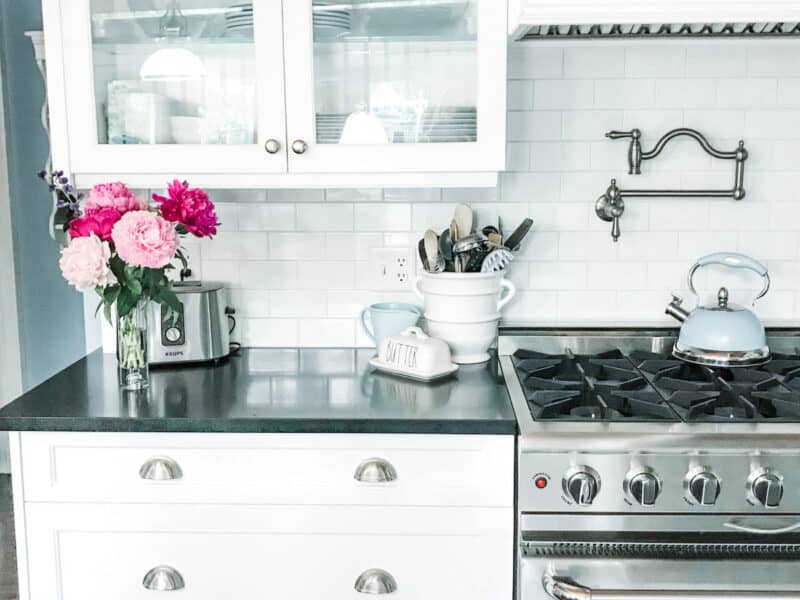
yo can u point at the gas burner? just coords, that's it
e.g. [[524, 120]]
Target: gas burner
[[782, 364], [712, 406], [586, 405], [686, 377], [746, 381], [777, 406]]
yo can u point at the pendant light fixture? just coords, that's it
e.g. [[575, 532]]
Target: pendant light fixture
[[173, 62]]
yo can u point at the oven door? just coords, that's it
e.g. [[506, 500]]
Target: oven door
[[659, 557]]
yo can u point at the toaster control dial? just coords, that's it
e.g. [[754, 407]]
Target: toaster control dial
[[173, 334], [765, 487], [581, 485]]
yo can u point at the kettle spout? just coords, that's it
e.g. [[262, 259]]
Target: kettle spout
[[675, 310]]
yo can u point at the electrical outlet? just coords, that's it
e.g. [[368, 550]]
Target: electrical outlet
[[392, 269]]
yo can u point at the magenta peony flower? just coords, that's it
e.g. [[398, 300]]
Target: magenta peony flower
[[113, 195], [84, 263], [99, 222], [189, 207], [144, 239]]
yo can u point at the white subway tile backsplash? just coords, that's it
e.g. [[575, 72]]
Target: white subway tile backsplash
[[533, 126], [331, 333], [625, 93], [520, 94], [655, 61], [325, 217], [382, 217], [326, 275], [236, 246], [713, 60], [594, 62], [299, 269], [590, 125], [297, 246], [561, 94], [686, 93], [557, 276], [266, 217]]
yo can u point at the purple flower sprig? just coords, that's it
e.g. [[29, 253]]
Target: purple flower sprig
[[59, 184]]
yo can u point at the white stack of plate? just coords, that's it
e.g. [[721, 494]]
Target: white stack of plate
[[239, 19], [330, 21], [442, 125]]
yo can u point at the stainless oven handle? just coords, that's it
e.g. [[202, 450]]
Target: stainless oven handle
[[759, 530], [562, 589]]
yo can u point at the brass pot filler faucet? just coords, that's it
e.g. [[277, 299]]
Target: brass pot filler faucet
[[610, 206]]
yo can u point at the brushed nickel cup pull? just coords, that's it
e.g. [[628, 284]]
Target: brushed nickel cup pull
[[160, 469], [299, 147], [375, 470], [272, 146], [163, 579], [376, 581]]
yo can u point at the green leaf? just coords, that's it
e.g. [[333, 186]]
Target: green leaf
[[135, 286], [126, 302]]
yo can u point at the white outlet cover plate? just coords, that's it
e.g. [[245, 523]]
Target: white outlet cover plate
[[391, 269]]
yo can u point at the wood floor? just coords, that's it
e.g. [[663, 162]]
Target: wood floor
[[8, 555]]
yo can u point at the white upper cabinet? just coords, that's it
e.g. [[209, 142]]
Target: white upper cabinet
[[524, 14], [265, 93]]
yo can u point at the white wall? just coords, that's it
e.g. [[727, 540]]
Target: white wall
[[297, 260]]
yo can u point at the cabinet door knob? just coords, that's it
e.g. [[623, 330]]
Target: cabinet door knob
[[299, 147], [272, 146], [376, 581], [163, 579], [375, 470], [160, 469]]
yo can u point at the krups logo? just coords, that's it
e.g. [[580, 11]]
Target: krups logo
[[174, 353]]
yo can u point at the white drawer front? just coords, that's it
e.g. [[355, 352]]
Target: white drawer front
[[300, 553], [430, 470]]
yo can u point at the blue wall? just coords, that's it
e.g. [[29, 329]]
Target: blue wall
[[50, 312]]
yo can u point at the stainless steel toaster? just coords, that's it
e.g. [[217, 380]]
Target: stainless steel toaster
[[201, 330]]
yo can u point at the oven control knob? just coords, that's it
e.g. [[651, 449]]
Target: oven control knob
[[643, 487], [765, 487], [703, 488], [581, 485]]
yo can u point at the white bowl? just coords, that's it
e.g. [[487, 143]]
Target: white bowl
[[469, 342], [464, 297]]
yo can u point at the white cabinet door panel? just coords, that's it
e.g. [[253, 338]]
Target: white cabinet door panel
[[304, 553], [270, 468], [417, 87], [203, 99]]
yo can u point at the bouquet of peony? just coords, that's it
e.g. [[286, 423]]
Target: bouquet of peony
[[122, 247]]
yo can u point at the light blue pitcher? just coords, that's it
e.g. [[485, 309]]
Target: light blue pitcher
[[387, 319]]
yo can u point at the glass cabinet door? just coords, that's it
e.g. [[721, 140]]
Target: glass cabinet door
[[180, 85], [392, 85]]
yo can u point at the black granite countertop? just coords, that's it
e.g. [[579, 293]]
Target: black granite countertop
[[264, 391]]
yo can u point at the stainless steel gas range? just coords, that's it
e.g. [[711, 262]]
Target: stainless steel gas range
[[641, 476]]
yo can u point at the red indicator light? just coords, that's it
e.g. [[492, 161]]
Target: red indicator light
[[540, 482]]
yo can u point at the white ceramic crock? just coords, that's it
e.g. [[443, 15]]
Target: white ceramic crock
[[469, 342], [464, 297]]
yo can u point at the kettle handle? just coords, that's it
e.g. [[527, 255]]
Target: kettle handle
[[734, 260]]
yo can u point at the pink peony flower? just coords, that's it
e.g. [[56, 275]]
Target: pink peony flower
[[99, 222], [113, 195], [84, 263], [189, 207], [144, 239]]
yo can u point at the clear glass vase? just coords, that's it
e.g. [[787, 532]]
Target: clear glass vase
[[134, 373]]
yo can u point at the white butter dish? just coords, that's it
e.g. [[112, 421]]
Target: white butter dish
[[424, 378], [415, 355]]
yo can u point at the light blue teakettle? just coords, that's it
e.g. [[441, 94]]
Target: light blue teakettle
[[725, 335]]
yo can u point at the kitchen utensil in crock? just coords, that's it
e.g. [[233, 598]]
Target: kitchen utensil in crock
[[469, 253], [463, 219], [515, 239], [497, 260], [435, 258], [725, 335]]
